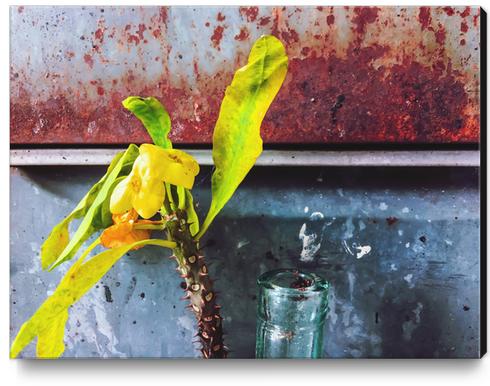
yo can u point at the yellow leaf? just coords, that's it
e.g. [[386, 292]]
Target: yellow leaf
[[77, 281], [236, 139], [50, 342]]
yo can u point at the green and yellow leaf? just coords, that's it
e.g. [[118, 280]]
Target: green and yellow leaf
[[236, 139], [54, 254], [48, 322], [153, 116], [59, 237], [192, 218]]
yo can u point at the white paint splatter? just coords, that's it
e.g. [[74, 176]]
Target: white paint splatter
[[92, 126], [362, 250], [39, 125], [362, 226], [242, 243], [310, 246], [306, 209], [405, 210], [400, 232], [36, 190], [448, 242], [407, 245], [408, 278], [383, 206], [346, 247], [91, 327], [315, 216], [393, 267], [340, 192], [311, 237], [104, 327]]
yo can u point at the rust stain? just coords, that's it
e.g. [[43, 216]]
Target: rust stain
[[163, 15], [364, 16], [424, 17], [290, 36], [157, 33], [88, 59], [243, 35], [220, 17], [408, 103], [449, 11], [133, 39], [476, 18], [264, 20], [217, 36], [99, 34], [440, 35], [370, 85], [141, 30], [250, 13], [466, 12]]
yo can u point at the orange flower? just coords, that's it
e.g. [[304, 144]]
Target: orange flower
[[123, 232]]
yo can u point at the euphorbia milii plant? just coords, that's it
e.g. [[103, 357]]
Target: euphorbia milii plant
[[148, 188]]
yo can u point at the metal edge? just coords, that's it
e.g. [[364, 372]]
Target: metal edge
[[419, 158]]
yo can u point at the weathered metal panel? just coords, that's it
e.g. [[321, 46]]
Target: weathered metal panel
[[356, 74], [399, 246]]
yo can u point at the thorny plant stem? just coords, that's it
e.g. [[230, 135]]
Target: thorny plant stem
[[197, 285], [198, 288]]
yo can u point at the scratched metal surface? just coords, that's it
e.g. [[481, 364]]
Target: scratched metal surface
[[356, 74], [400, 247]]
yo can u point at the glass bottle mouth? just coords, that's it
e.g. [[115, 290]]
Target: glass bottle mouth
[[292, 280]]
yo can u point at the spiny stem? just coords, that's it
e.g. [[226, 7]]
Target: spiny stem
[[198, 287]]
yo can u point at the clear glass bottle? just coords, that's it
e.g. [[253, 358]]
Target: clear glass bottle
[[291, 314]]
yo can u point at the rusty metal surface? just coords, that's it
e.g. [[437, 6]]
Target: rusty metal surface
[[356, 74]]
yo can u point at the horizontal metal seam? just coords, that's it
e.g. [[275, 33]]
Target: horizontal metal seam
[[419, 158]]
